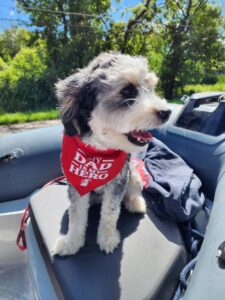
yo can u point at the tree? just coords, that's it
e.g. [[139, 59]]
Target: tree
[[132, 36], [12, 40], [72, 39], [193, 43], [22, 82], [3, 65], [182, 39]]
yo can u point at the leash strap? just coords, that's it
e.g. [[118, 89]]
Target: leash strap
[[21, 239]]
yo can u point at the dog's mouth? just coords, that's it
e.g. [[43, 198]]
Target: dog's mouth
[[139, 138]]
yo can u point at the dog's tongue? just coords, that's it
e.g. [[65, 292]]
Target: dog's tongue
[[143, 135]]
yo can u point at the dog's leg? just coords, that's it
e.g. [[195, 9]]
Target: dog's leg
[[133, 200], [78, 213], [108, 236]]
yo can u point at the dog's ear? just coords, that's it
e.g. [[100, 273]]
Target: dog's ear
[[67, 92], [152, 79], [85, 105], [77, 99]]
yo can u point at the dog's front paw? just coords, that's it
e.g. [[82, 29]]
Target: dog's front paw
[[67, 246], [108, 241], [136, 205]]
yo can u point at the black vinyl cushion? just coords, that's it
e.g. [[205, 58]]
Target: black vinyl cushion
[[146, 265]]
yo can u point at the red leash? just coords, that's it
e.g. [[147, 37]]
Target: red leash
[[57, 179], [21, 240]]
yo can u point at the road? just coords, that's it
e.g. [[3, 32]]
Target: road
[[15, 128]]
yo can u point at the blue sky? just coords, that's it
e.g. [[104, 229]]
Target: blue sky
[[9, 14]]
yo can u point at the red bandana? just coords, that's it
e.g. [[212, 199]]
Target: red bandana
[[87, 168]]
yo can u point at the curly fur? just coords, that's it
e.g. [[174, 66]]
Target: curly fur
[[94, 106]]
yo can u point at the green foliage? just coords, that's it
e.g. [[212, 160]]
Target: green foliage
[[3, 65], [195, 88], [25, 83], [13, 40], [209, 79], [72, 40], [182, 40], [194, 46], [29, 63], [221, 78], [13, 118], [219, 86], [155, 52], [176, 101], [133, 36]]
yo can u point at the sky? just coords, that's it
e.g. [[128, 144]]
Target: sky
[[9, 15]]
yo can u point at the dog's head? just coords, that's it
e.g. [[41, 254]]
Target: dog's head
[[112, 103]]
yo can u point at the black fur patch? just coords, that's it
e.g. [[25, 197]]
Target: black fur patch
[[95, 67], [102, 76], [69, 129], [80, 112], [85, 105]]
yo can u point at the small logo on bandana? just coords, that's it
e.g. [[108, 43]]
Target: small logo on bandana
[[87, 168], [85, 182]]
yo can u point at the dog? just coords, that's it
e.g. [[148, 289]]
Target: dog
[[110, 105]]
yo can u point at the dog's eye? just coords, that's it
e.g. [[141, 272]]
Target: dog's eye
[[129, 91]]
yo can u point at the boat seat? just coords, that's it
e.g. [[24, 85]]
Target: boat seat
[[146, 265]]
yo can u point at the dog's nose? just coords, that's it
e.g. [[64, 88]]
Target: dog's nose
[[164, 114]]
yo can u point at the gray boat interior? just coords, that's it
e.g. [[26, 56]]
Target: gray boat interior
[[151, 255]]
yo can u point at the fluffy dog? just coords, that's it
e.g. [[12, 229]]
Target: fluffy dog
[[110, 104]]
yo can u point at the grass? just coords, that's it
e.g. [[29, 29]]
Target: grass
[[22, 117], [176, 101]]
